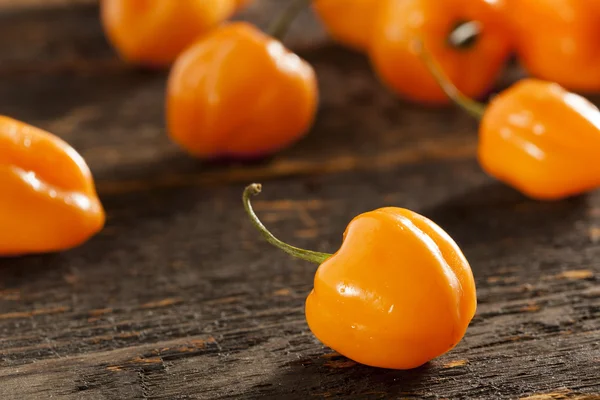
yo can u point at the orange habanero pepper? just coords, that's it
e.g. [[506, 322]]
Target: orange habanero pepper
[[558, 40], [398, 293], [466, 36], [154, 32], [350, 22], [239, 93], [535, 136], [48, 201]]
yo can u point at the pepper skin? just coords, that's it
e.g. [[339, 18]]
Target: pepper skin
[[473, 69], [155, 32], [542, 140], [48, 201], [558, 40], [397, 294], [239, 93], [535, 136], [350, 22]]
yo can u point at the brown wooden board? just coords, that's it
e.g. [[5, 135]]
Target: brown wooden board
[[179, 298]]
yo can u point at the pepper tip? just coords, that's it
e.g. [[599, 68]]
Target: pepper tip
[[254, 188]]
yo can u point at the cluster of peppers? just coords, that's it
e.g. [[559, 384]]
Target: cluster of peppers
[[235, 91], [399, 292]]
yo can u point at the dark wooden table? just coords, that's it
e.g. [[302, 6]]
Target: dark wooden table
[[179, 298]]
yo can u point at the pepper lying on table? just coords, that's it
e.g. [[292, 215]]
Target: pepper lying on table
[[48, 201], [239, 93], [397, 294], [154, 32], [535, 136]]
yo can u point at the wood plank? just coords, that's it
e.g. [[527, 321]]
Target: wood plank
[[30, 4], [179, 298]]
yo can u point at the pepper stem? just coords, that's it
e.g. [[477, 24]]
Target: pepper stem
[[475, 108], [307, 255], [280, 26]]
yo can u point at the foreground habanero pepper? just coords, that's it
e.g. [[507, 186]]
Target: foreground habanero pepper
[[535, 136], [350, 22], [467, 37], [154, 32], [398, 292], [558, 40], [238, 92], [48, 201]]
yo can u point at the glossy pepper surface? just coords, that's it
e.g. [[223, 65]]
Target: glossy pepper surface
[[239, 93], [535, 136], [542, 140], [472, 66], [398, 293], [155, 32], [48, 201], [350, 22], [557, 40]]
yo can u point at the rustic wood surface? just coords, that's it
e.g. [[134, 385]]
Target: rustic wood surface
[[179, 298]]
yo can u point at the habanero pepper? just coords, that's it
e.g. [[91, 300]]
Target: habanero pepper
[[48, 201], [238, 92], [350, 22], [557, 40], [397, 294], [154, 32], [535, 136], [466, 36]]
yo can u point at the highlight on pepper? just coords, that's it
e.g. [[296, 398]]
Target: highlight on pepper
[[397, 294], [154, 32], [238, 92], [48, 201], [535, 136]]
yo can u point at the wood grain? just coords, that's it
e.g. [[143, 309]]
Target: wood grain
[[179, 298]]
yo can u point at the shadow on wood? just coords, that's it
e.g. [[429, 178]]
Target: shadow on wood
[[334, 372], [500, 214]]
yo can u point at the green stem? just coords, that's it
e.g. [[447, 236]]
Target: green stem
[[307, 255], [475, 108], [280, 26]]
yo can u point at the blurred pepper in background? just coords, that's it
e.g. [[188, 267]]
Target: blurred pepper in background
[[469, 38], [48, 201], [350, 22], [154, 32], [558, 40], [239, 92]]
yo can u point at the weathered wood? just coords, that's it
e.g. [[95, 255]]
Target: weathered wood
[[179, 298]]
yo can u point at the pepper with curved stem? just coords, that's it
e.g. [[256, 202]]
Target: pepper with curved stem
[[367, 302], [475, 108], [550, 135], [307, 255], [280, 26]]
